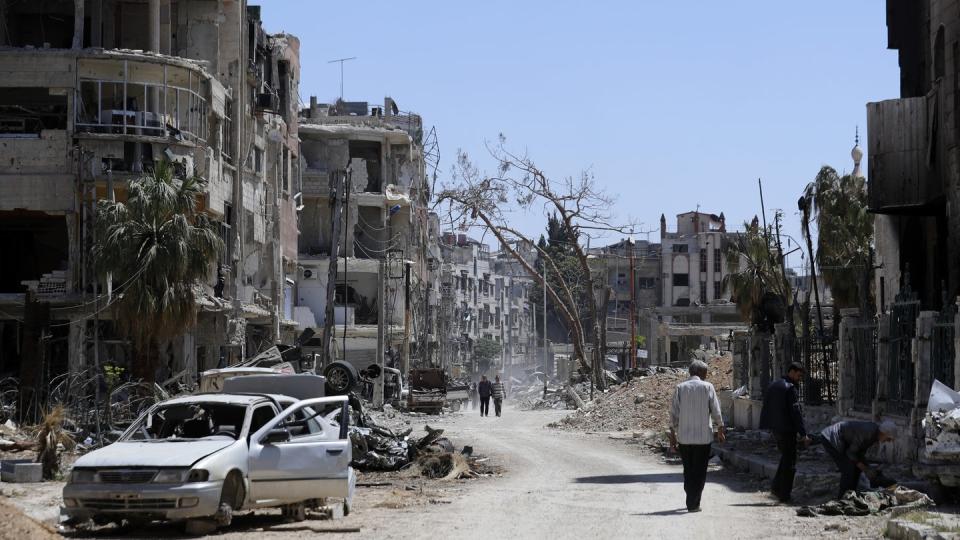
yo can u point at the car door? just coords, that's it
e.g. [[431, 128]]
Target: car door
[[305, 465]]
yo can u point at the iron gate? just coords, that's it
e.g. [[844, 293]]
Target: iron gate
[[942, 346], [819, 354], [903, 328], [864, 356]]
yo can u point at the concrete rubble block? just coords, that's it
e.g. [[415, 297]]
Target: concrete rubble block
[[20, 471]]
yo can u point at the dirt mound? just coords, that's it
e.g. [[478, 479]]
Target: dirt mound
[[643, 404]]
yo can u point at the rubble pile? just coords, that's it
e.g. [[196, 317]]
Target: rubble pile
[[941, 424], [532, 397], [379, 448], [869, 503], [643, 403]]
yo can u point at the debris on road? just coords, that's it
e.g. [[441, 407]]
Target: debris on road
[[868, 503], [643, 403]]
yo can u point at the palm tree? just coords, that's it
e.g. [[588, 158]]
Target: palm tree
[[844, 235], [755, 280], [157, 246]]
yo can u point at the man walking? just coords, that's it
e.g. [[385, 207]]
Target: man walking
[[694, 413], [847, 443], [499, 392], [783, 416], [484, 389]]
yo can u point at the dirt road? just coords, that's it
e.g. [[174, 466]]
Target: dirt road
[[556, 485], [565, 485]]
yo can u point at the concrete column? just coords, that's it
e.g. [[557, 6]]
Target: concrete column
[[165, 26], [760, 374], [785, 351], [153, 24], [78, 8], [96, 23], [109, 36], [922, 351], [846, 367], [883, 360], [76, 339]]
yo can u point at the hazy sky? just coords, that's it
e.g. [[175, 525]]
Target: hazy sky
[[670, 104]]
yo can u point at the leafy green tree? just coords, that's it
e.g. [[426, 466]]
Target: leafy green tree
[[755, 279], [158, 247], [558, 246]]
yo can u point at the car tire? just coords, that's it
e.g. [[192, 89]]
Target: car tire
[[341, 378], [199, 527]]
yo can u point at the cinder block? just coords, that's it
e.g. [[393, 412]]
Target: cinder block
[[20, 471]]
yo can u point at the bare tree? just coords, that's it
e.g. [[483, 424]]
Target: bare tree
[[580, 205]]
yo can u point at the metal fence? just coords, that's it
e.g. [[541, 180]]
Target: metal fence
[[819, 355], [903, 328], [864, 355], [943, 347]]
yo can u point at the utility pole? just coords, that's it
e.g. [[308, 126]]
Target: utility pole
[[405, 359], [337, 183], [545, 357], [633, 310], [341, 60]]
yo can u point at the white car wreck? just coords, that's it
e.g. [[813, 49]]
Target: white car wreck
[[200, 458]]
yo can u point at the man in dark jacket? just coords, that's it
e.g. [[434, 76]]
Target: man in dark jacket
[[847, 443], [783, 416], [485, 389]]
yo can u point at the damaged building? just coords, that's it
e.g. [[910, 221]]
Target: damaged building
[[368, 241], [487, 296], [94, 94], [695, 304]]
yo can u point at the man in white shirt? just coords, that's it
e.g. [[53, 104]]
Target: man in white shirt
[[693, 414]]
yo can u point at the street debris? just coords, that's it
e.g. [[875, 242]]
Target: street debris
[[378, 448], [868, 503], [642, 405]]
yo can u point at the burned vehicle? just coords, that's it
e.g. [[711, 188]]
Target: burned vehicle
[[199, 458]]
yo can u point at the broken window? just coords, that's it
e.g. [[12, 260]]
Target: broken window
[[681, 280], [369, 151], [717, 290], [191, 421], [40, 243], [703, 260], [133, 98], [703, 292], [679, 248], [28, 111], [716, 260]]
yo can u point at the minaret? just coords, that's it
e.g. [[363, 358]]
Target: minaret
[[857, 155], [663, 226]]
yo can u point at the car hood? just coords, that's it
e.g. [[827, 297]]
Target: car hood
[[152, 454]]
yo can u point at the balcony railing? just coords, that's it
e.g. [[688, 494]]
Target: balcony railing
[[171, 104]]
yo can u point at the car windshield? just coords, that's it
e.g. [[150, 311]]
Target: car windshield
[[188, 421]]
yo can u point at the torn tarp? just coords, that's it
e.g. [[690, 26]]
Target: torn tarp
[[868, 503]]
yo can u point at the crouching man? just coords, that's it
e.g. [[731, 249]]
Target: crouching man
[[847, 443]]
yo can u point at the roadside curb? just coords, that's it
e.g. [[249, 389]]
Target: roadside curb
[[763, 468], [901, 529]]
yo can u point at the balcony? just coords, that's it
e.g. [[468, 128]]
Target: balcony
[[902, 163], [128, 97]]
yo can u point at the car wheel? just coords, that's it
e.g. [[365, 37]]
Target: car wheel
[[339, 379], [231, 498]]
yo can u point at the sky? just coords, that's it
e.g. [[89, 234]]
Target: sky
[[670, 105]]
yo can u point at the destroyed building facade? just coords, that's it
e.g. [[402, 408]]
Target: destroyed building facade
[[912, 147], [365, 224], [488, 297], [95, 93], [695, 304]]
